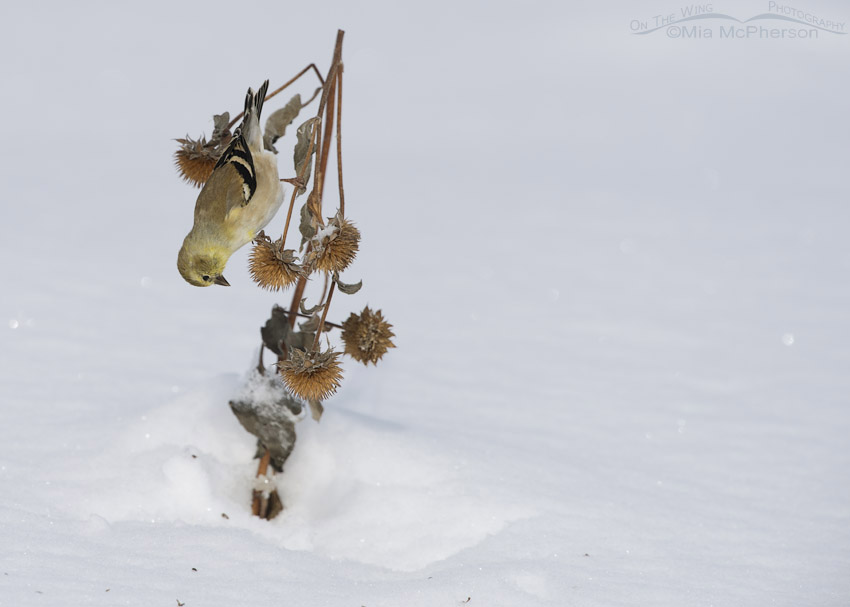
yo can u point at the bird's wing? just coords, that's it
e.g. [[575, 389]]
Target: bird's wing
[[222, 193], [239, 157]]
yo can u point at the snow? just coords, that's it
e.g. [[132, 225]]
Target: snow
[[325, 232], [616, 267]]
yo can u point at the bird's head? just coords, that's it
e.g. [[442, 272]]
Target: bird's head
[[202, 269]]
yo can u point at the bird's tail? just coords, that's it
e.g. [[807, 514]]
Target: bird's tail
[[251, 119]]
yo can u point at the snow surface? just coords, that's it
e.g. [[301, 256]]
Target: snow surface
[[617, 267]]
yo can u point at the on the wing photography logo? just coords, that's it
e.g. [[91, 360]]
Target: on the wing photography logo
[[702, 21]]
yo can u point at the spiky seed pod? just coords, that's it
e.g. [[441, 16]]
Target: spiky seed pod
[[335, 246], [195, 159], [311, 375], [367, 336], [273, 267]]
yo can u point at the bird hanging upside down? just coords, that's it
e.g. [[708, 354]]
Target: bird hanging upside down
[[237, 201]]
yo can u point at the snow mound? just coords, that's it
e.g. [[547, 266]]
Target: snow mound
[[355, 488]]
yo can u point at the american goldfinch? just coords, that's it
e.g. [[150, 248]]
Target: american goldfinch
[[237, 201]]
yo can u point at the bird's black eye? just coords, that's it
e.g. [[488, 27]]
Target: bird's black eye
[[206, 277]]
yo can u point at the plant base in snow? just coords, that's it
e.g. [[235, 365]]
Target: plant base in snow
[[269, 412]]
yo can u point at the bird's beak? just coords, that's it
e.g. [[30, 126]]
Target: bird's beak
[[221, 280]]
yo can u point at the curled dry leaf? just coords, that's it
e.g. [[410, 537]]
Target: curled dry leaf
[[348, 289], [309, 311], [308, 224], [279, 120], [314, 205], [304, 135]]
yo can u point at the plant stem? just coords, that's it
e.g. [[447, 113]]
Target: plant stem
[[258, 502], [327, 322], [324, 315], [322, 164], [324, 289], [296, 300], [260, 365], [327, 100], [302, 282], [276, 91], [339, 140]]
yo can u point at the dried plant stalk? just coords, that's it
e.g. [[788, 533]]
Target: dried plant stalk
[[259, 504], [332, 372]]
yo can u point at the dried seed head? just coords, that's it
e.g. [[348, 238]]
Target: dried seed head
[[273, 267], [196, 158], [335, 246], [367, 336], [311, 375]]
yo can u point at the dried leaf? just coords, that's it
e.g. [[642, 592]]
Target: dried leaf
[[312, 310], [307, 227], [220, 130], [348, 289], [311, 325], [314, 205], [300, 340], [304, 135], [269, 412], [279, 337], [279, 120], [276, 331]]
